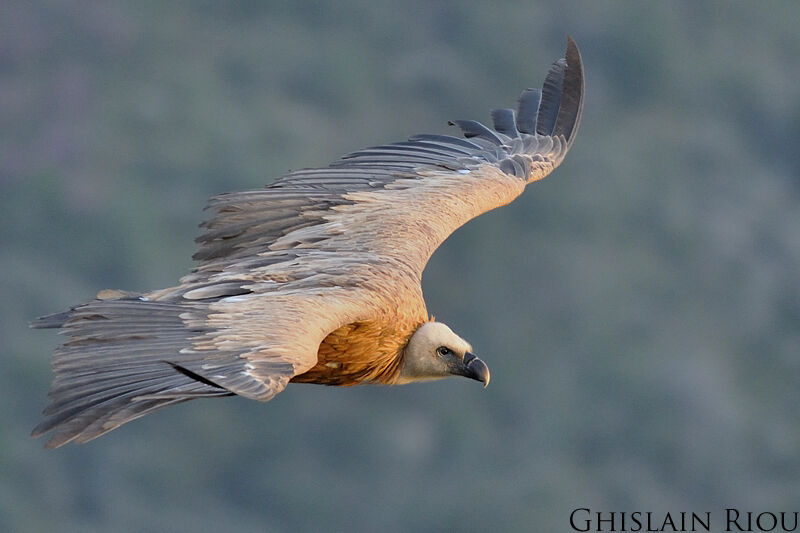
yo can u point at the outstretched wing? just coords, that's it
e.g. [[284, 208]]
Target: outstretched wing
[[399, 201]]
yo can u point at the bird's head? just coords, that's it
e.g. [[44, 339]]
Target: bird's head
[[435, 352]]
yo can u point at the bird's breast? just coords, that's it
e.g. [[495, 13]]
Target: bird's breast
[[361, 352]]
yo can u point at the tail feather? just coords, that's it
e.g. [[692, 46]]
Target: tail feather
[[122, 360]]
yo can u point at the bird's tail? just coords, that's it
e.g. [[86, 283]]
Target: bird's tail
[[123, 358]]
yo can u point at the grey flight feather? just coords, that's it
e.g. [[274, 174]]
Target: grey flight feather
[[551, 98], [528, 110], [505, 122], [115, 354]]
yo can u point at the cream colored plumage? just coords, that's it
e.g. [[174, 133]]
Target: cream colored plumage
[[316, 278]]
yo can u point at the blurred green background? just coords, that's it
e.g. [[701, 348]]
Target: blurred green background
[[639, 309]]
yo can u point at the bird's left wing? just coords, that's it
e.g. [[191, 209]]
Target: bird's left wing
[[398, 202]]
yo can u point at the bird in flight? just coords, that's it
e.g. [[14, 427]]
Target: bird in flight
[[315, 278]]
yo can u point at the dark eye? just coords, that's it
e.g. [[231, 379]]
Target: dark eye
[[443, 351]]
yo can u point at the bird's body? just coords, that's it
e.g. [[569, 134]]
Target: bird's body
[[314, 279]]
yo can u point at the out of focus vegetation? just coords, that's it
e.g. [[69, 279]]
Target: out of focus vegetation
[[640, 308]]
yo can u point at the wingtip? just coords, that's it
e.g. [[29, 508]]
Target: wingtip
[[571, 106], [573, 56], [572, 49], [571, 42]]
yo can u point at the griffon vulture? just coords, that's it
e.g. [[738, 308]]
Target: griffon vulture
[[314, 279]]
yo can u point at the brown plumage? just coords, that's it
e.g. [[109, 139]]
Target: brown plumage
[[314, 279]]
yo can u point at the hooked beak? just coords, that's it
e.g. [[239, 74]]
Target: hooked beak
[[475, 369]]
